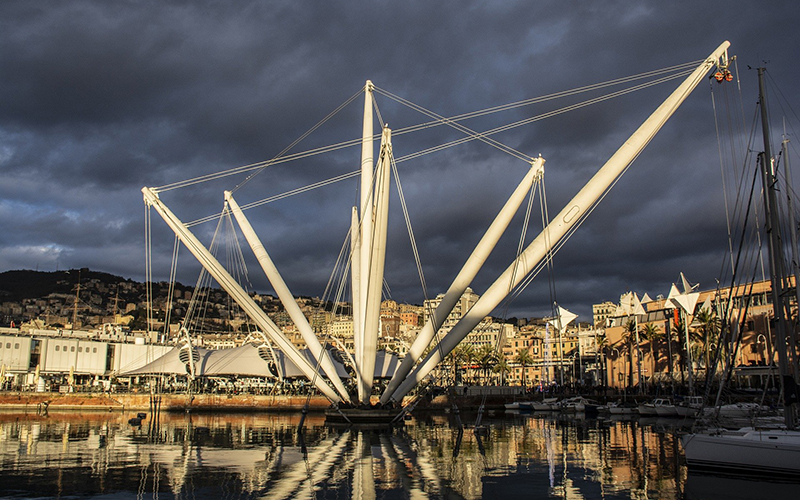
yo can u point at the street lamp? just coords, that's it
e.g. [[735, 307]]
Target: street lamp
[[613, 362], [761, 341]]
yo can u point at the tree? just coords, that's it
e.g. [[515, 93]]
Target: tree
[[678, 334], [502, 368], [523, 358], [706, 330], [629, 338], [462, 355], [602, 344], [487, 358], [653, 334]]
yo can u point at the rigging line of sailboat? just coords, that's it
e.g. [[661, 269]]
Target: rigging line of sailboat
[[767, 451]]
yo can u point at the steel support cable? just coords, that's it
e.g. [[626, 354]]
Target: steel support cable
[[540, 117], [148, 273], [202, 310], [301, 138], [171, 288], [722, 173], [266, 163], [410, 230], [482, 136], [551, 275], [337, 268], [287, 194], [521, 242], [415, 251], [556, 246], [424, 152], [325, 149], [237, 261], [441, 120], [536, 100]]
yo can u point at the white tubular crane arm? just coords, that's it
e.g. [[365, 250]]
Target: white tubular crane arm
[[377, 261], [286, 297], [229, 284], [366, 209], [465, 276], [560, 226]]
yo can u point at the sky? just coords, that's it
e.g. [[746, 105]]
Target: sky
[[100, 99]]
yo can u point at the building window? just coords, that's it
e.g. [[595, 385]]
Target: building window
[[16, 346], [80, 349], [94, 350], [56, 348], [72, 349], [8, 345]]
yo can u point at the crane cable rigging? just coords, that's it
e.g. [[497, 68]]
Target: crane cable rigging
[[672, 73]]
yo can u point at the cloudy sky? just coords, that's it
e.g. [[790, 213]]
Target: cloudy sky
[[102, 98]]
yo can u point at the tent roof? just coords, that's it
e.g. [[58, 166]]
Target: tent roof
[[168, 364], [243, 361]]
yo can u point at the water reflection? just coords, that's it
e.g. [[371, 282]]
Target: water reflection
[[263, 456]]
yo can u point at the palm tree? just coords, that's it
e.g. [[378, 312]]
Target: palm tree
[[706, 329], [502, 368], [462, 355], [629, 338], [487, 358], [602, 344], [677, 334], [523, 358], [653, 334]]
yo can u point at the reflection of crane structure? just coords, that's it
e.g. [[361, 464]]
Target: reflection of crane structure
[[255, 456], [368, 233]]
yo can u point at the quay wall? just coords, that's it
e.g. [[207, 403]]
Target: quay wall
[[54, 401]]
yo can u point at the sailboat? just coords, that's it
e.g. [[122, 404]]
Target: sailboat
[[763, 451]]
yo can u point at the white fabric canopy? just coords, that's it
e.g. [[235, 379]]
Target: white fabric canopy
[[241, 361], [386, 364], [168, 364]]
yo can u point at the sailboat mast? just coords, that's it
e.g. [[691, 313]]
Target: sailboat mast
[[769, 180], [795, 254]]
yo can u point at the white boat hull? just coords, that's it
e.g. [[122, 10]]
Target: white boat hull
[[647, 410], [623, 410], [769, 452]]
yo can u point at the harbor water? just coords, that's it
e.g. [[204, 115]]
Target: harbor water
[[262, 455]]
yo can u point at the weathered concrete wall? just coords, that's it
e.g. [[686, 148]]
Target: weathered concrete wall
[[169, 402]]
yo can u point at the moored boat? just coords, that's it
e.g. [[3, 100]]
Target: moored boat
[[690, 407], [547, 404], [666, 409], [621, 408], [773, 452]]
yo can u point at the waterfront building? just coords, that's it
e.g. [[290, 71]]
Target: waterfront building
[[660, 355], [601, 312], [464, 304]]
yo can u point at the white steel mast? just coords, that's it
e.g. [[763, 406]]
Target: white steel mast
[[229, 284], [572, 213], [377, 260], [286, 297], [361, 273]]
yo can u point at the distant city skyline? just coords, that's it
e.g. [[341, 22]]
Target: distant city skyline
[[100, 101]]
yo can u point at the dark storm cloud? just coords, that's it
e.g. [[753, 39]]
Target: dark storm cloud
[[100, 99]]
